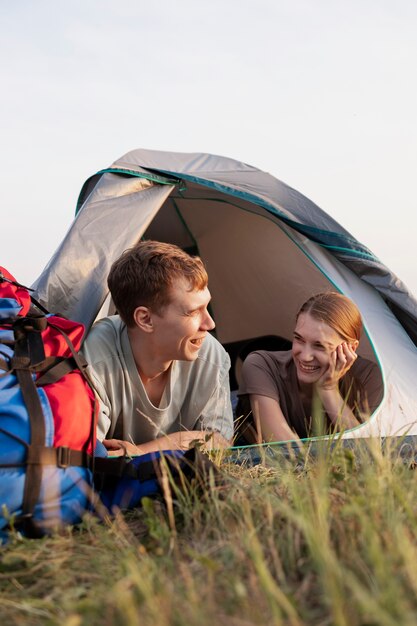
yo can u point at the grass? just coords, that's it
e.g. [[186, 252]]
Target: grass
[[330, 541]]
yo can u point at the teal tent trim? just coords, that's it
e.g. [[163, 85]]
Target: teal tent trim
[[323, 237], [161, 180]]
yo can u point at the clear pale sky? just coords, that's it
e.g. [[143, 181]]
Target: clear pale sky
[[320, 93]]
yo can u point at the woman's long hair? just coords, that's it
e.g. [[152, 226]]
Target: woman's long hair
[[337, 311]]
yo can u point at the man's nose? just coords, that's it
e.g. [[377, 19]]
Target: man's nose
[[207, 323]]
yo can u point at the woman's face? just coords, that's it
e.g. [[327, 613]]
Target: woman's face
[[313, 343]]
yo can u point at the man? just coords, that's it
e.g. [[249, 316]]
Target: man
[[162, 379]]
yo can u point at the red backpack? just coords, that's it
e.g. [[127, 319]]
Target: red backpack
[[47, 416]]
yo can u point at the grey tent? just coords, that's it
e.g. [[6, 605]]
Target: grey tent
[[267, 249]]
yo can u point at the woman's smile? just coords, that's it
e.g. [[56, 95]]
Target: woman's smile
[[308, 367]]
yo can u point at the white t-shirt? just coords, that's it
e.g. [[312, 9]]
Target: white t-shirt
[[196, 397]]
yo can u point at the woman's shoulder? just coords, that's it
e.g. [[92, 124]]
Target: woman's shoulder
[[365, 369], [266, 358], [263, 373], [367, 379]]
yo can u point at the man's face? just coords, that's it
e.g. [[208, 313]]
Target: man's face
[[180, 328]]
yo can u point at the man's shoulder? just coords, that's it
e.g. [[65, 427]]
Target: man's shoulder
[[104, 338], [212, 352], [106, 327]]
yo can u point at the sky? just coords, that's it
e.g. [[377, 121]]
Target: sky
[[322, 94]]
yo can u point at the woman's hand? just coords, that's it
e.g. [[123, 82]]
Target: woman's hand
[[341, 360], [336, 407]]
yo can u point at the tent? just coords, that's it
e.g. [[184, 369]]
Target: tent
[[267, 249]]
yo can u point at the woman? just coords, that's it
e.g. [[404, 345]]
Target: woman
[[286, 389]]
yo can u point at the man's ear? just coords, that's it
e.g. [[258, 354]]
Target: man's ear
[[143, 319]]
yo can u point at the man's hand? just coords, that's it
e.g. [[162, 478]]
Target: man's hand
[[118, 447], [212, 441]]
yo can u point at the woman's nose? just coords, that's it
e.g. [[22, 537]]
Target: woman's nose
[[306, 353]]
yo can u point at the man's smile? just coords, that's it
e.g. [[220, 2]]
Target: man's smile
[[198, 341]]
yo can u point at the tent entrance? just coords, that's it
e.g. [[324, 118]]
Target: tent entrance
[[258, 276]]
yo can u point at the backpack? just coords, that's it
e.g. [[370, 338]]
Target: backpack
[[122, 482], [51, 465], [47, 416]]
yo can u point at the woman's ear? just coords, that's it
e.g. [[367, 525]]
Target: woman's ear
[[143, 319], [354, 345]]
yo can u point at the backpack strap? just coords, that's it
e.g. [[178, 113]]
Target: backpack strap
[[78, 358], [62, 457], [21, 365], [60, 367], [14, 282], [82, 365]]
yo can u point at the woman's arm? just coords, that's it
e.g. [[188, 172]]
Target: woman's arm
[[339, 412], [327, 387], [259, 385], [269, 420]]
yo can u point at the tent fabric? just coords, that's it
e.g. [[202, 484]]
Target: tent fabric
[[267, 248], [74, 281]]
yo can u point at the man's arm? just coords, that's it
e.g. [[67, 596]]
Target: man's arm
[[103, 416], [181, 440], [217, 415], [91, 350]]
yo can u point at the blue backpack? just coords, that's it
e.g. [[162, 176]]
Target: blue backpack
[[122, 482]]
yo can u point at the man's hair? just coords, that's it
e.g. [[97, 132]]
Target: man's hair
[[337, 311], [144, 274]]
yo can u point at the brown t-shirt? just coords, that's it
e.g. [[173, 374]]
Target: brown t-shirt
[[273, 374]]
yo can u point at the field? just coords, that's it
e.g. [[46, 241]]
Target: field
[[328, 539]]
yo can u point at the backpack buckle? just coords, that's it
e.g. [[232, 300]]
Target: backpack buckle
[[63, 457]]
